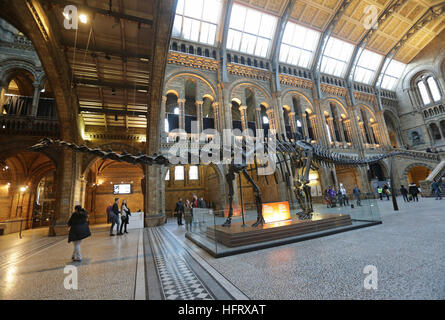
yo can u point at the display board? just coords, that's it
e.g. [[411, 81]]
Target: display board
[[122, 189], [276, 211]]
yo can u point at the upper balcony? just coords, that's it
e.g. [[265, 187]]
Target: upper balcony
[[17, 118]]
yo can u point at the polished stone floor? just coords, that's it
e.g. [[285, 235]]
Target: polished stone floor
[[408, 250]]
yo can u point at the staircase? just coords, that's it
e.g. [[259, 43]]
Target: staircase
[[435, 175]]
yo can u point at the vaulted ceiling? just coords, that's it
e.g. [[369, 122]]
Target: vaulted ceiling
[[318, 13]]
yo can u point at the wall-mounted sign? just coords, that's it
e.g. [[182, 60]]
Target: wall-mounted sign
[[276, 211], [122, 188]]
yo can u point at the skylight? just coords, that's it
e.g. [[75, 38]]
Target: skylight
[[298, 45], [197, 20], [392, 74], [336, 57], [367, 66], [250, 31]]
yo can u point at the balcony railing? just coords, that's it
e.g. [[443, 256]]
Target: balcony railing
[[26, 125]]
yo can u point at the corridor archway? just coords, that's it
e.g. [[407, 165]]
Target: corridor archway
[[183, 181], [106, 180], [417, 173], [27, 191]]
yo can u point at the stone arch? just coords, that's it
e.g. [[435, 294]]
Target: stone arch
[[338, 102], [196, 76], [413, 165], [369, 109], [292, 92], [9, 65], [252, 84], [389, 114], [89, 160]]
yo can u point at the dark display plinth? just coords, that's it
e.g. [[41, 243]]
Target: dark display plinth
[[236, 235]]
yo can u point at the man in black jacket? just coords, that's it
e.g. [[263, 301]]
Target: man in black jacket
[[115, 217], [179, 211]]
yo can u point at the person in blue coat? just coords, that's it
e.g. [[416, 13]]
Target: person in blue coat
[[79, 230]]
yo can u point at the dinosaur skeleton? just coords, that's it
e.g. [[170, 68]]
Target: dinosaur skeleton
[[295, 158]]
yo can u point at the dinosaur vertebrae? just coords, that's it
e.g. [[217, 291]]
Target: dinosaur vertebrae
[[296, 147], [108, 154]]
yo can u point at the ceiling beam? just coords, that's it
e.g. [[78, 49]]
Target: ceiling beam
[[276, 46], [110, 13], [112, 85], [106, 51], [113, 112], [316, 64], [225, 21]]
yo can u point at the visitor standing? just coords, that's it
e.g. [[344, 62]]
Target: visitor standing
[[79, 230], [202, 203], [380, 192], [436, 189], [356, 192], [344, 194], [114, 217], [386, 191], [195, 201], [413, 190], [404, 193], [125, 216], [179, 211], [188, 215]]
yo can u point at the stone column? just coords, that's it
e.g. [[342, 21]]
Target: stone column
[[273, 124], [2, 98], [66, 176], [181, 106], [293, 124], [243, 111], [342, 132], [347, 124], [199, 115], [304, 124], [313, 120], [35, 99], [258, 119], [154, 215], [362, 131], [371, 136], [228, 117], [375, 129], [215, 107], [162, 119], [356, 134], [386, 142], [280, 125], [332, 130]]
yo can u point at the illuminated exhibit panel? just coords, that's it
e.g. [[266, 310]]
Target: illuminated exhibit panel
[[122, 189], [277, 211]]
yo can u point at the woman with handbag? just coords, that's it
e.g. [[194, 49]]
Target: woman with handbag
[[125, 216]]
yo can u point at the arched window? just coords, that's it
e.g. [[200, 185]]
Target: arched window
[[193, 173], [179, 173], [429, 90]]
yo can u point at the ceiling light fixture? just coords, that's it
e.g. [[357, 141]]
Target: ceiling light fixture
[[83, 18]]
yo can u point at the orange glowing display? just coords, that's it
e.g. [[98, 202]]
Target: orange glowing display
[[276, 211]]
